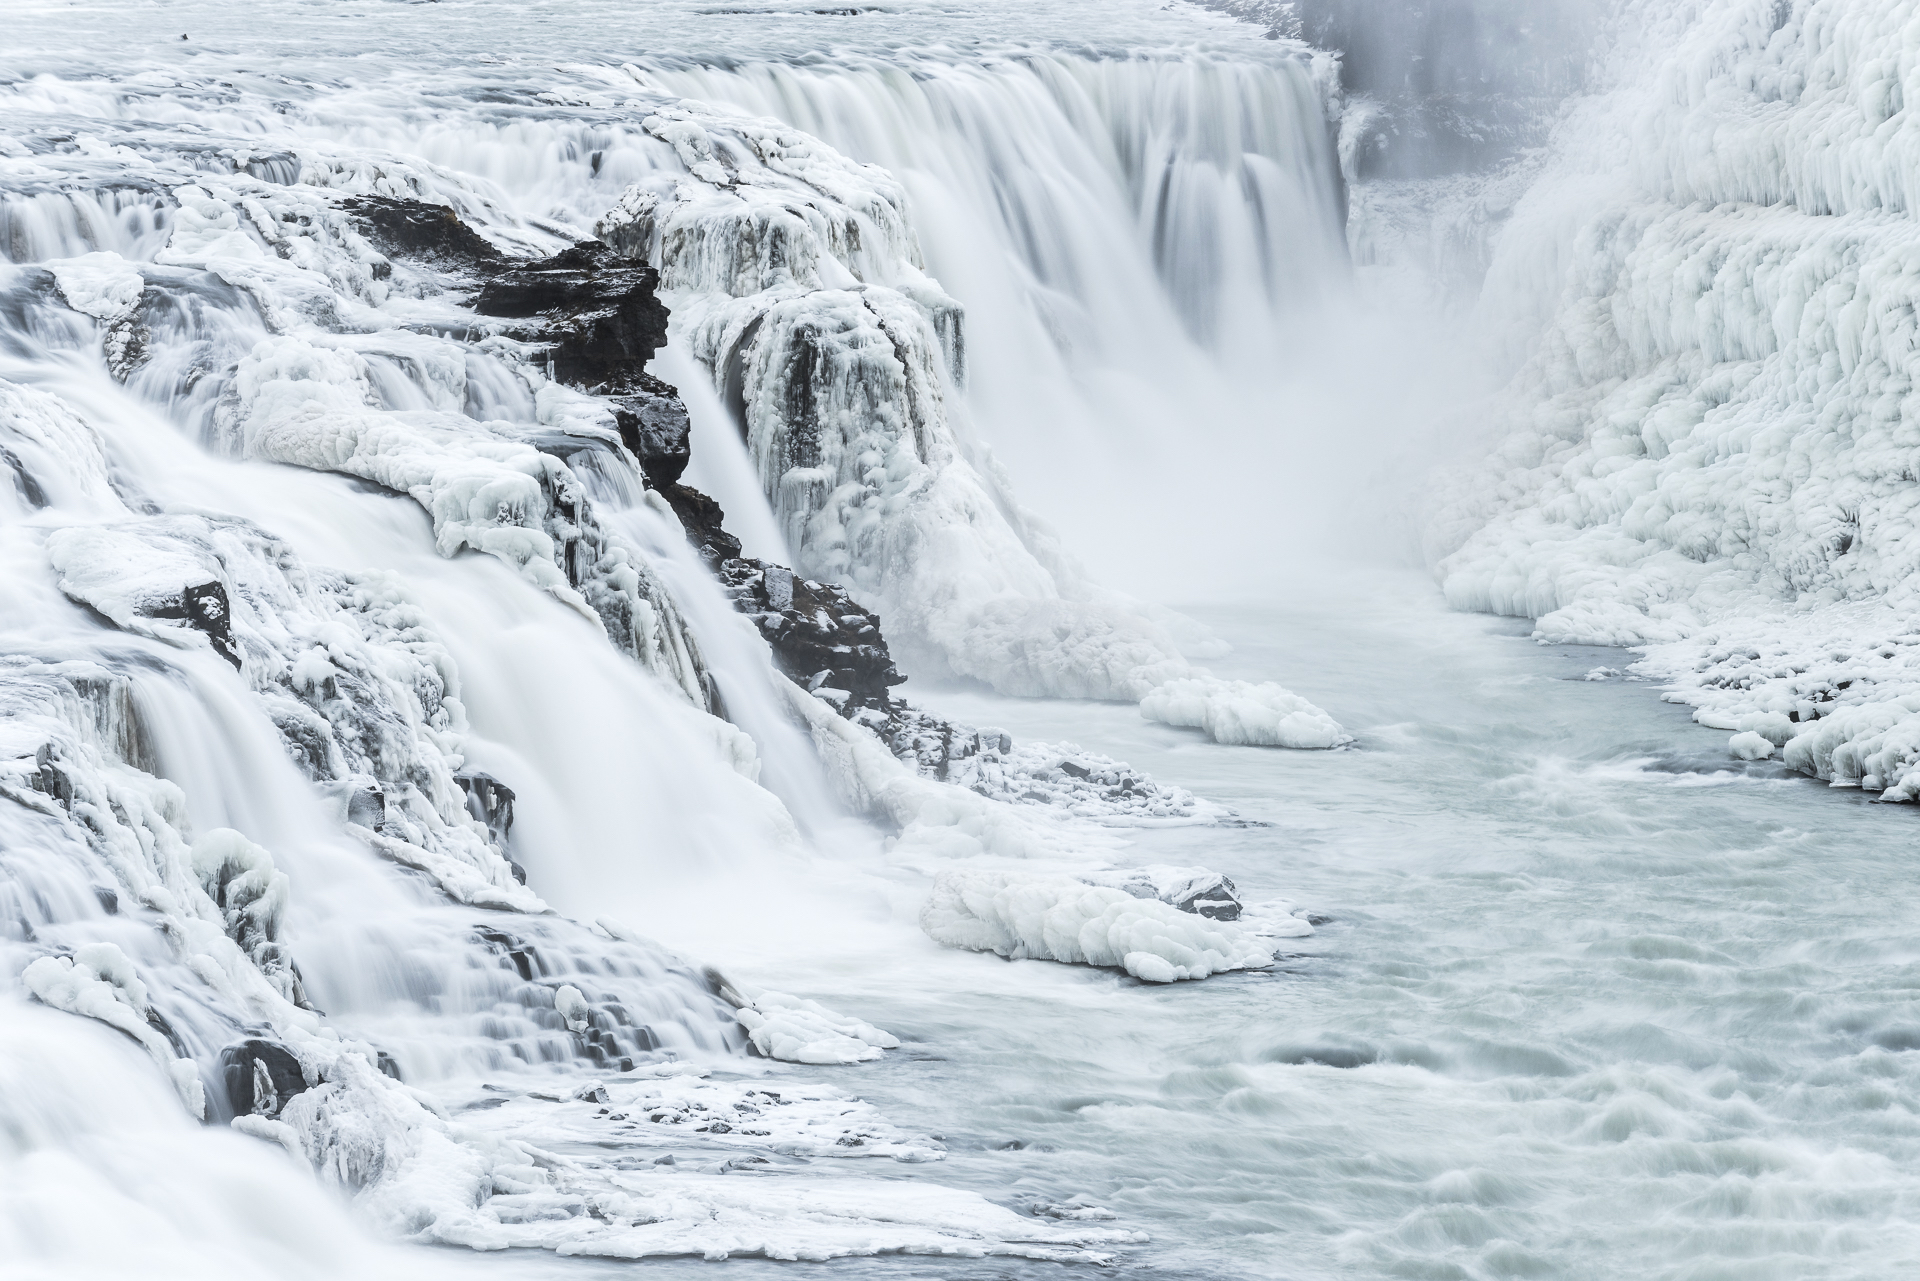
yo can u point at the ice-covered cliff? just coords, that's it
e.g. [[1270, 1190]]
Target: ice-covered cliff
[[1711, 444]]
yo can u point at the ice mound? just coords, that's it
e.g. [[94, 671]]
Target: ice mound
[[796, 279], [99, 982], [1058, 918], [1239, 712], [802, 1031]]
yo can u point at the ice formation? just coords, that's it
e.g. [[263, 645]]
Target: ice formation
[[1712, 425], [1263, 715]]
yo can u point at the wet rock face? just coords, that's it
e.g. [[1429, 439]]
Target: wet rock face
[[703, 520], [415, 229], [653, 424], [596, 309]]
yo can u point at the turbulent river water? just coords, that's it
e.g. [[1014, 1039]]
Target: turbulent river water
[[1584, 998], [1593, 1000]]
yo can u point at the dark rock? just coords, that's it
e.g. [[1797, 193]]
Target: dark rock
[[415, 229], [204, 608], [820, 637], [109, 900], [1212, 896], [702, 518], [260, 1077], [653, 424], [597, 309]]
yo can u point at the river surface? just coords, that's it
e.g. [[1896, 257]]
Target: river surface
[[1593, 1000]]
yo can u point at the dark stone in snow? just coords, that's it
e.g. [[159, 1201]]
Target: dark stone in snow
[[260, 1076], [1212, 896]]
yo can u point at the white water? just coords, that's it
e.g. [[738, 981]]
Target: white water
[[1592, 1000]]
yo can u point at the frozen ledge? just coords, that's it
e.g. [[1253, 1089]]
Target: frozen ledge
[[1243, 714]]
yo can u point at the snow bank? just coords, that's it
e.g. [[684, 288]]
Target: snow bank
[[1057, 918], [1264, 715]]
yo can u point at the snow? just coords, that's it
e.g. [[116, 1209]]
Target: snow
[[802, 1031], [103, 285]]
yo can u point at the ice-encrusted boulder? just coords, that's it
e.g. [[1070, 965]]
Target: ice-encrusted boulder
[[1244, 713], [1058, 918], [796, 278]]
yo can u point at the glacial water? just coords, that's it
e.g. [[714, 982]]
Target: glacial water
[[1585, 997]]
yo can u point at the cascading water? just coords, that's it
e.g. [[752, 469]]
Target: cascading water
[[364, 623]]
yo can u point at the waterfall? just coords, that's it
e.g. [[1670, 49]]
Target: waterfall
[[379, 748]]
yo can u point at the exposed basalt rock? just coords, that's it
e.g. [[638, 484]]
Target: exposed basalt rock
[[653, 424], [820, 637], [598, 309], [1212, 896], [260, 1077], [833, 648], [703, 519]]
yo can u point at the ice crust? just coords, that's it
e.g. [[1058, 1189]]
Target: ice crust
[[1708, 446], [802, 1031], [227, 291]]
